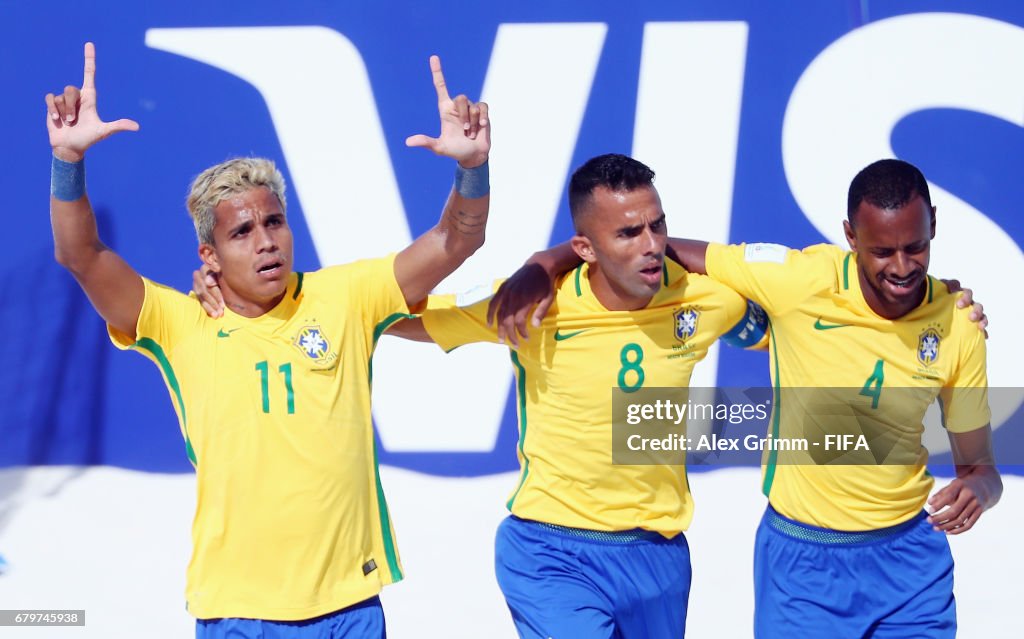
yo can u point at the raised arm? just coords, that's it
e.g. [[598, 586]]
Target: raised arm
[[113, 287], [465, 137]]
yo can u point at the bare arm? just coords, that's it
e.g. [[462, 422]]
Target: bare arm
[[113, 287], [532, 286], [466, 137], [977, 486], [411, 329], [689, 253]]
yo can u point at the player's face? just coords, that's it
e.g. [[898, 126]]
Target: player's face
[[893, 247], [252, 251], [623, 238]]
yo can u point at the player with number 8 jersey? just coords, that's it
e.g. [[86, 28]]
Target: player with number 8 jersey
[[594, 548], [565, 374]]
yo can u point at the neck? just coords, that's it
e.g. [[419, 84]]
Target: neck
[[613, 297], [250, 308]]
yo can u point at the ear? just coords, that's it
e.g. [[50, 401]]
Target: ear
[[208, 255], [851, 237], [581, 244], [933, 221]]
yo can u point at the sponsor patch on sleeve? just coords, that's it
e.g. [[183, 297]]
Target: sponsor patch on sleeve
[[766, 253]]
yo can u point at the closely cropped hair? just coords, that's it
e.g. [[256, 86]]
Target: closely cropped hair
[[613, 171], [221, 181], [887, 184]]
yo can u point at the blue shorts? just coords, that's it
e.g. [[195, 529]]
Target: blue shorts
[[890, 583], [564, 583], [363, 620]]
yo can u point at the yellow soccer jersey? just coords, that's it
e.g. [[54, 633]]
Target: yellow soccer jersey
[[824, 336], [290, 521], [565, 374]]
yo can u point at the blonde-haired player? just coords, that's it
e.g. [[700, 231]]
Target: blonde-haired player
[[292, 536]]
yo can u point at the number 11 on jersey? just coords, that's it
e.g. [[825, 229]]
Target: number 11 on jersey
[[286, 370]]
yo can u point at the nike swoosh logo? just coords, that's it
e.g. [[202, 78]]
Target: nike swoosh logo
[[824, 327], [223, 333], [560, 336]]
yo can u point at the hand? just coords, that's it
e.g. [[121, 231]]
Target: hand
[[958, 506], [530, 285], [72, 120], [977, 313], [465, 128], [206, 286]]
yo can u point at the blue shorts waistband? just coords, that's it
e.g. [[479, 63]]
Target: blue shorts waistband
[[828, 537], [605, 536]]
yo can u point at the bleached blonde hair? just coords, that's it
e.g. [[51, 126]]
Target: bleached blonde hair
[[221, 181]]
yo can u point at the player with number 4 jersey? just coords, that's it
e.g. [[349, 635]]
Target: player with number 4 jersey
[[845, 548]]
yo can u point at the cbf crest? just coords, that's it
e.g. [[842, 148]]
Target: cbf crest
[[928, 346], [686, 322], [312, 342]]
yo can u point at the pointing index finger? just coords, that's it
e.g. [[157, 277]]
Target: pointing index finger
[[89, 79], [439, 84]]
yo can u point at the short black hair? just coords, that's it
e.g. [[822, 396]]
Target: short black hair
[[887, 184], [613, 171]]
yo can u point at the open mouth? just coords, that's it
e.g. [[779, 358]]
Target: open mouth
[[651, 274], [270, 270], [902, 285]]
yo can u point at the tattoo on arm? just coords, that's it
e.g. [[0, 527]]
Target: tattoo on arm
[[467, 223]]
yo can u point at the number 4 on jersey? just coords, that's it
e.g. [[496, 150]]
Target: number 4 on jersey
[[873, 385]]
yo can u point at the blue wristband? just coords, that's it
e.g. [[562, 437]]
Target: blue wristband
[[472, 183], [67, 179]]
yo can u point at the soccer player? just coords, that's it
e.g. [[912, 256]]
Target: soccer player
[[596, 549], [291, 536], [848, 550]]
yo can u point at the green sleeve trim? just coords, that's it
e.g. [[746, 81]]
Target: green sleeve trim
[[385, 523], [298, 285], [378, 330], [386, 322], [521, 398], [579, 289], [846, 272], [382, 505], [773, 455], [158, 354]]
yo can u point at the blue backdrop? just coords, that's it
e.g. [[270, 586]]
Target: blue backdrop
[[67, 397]]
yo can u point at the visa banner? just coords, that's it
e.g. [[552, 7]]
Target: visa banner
[[754, 115]]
